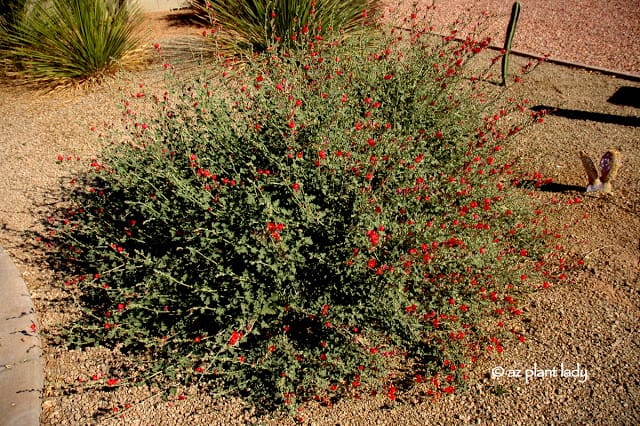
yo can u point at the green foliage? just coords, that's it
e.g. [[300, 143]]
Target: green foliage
[[249, 26], [10, 12], [60, 42], [305, 225], [511, 32]]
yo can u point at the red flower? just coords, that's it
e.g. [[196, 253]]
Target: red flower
[[449, 389], [392, 393], [235, 336], [325, 310], [374, 237], [371, 263]]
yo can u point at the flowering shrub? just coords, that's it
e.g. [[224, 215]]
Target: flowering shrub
[[321, 222]]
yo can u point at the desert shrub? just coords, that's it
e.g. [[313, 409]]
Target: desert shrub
[[61, 42], [249, 26], [325, 221]]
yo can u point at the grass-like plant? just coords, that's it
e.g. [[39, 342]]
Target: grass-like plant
[[61, 42], [249, 26], [10, 12]]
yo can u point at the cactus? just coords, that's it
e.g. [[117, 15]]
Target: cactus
[[511, 31]]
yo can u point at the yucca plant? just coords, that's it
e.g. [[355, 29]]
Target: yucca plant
[[252, 26], [10, 10], [63, 42]]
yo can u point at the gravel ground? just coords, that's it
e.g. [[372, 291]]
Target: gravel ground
[[591, 319], [598, 33]]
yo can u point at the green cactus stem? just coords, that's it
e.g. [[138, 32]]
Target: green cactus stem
[[511, 31]]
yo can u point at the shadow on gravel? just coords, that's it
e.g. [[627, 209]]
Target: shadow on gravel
[[185, 18], [626, 96], [553, 187], [573, 114]]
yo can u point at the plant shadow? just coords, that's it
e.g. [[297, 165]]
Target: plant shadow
[[626, 96], [185, 17], [623, 96], [554, 187], [574, 114]]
